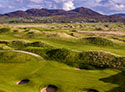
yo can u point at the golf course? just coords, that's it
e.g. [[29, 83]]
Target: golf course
[[62, 57]]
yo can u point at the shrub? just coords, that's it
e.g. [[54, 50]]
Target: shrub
[[4, 42], [86, 60], [4, 47], [37, 50], [106, 25], [3, 30], [18, 44], [63, 55], [100, 59], [99, 41], [99, 28], [38, 44]]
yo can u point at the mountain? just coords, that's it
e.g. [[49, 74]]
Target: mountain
[[46, 12], [85, 12], [119, 15], [36, 13], [18, 13], [78, 12], [1, 15], [65, 16]]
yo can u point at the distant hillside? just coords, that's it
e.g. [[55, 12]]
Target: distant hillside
[[78, 12], [120, 15], [1, 15], [17, 14], [37, 13], [85, 12], [59, 15]]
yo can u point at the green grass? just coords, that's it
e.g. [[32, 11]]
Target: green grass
[[120, 50], [83, 50], [42, 73]]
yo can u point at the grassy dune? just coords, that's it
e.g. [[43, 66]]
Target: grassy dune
[[76, 57]]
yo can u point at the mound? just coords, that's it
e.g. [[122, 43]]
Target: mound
[[38, 44], [15, 57], [62, 55], [3, 30], [4, 47], [58, 35], [84, 60], [34, 31], [18, 44], [99, 41]]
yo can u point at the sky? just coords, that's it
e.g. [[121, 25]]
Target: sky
[[102, 6]]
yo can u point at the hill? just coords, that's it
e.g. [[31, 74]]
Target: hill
[[86, 12], [1, 15], [80, 14], [17, 14], [37, 13], [120, 15]]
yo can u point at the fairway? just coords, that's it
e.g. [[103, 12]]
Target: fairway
[[43, 73], [70, 57]]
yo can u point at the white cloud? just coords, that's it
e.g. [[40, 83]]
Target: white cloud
[[111, 6], [36, 1], [1, 6], [68, 5], [34, 6]]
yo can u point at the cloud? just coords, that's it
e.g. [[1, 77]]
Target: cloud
[[110, 6], [1, 6], [68, 5], [102, 6], [34, 6], [36, 1]]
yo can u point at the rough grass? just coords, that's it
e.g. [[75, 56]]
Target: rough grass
[[83, 59], [4, 30], [99, 41], [21, 44]]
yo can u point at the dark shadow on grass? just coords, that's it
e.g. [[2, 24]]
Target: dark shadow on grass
[[118, 79], [2, 91]]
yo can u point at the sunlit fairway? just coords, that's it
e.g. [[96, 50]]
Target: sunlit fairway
[[75, 57], [43, 73]]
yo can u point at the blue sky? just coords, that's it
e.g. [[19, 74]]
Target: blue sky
[[102, 6]]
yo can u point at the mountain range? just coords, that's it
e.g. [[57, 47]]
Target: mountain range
[[80, 12], [119, 14]]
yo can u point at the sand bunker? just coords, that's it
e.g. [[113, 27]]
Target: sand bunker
[[91, 90], [50, 88], [23, 82]]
